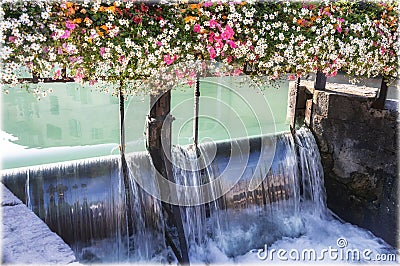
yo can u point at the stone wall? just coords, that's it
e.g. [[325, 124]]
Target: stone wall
[[26, 239], [359, 151]]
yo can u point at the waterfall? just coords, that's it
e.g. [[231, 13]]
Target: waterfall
[[80, 201], [84, 202], [191, 169], [312, 175], [147, 242], [273, 207]]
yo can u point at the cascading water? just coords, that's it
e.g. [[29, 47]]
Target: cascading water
[[200, 222], [312, 175], [83, 202], [287, 210], [80, 201]]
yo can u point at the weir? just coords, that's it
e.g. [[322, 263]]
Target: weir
[[83, 202]]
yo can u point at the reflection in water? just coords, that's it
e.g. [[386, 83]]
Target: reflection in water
[[73, 116], [67, 117]]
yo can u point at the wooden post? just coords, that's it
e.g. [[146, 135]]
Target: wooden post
[[381, 99], [320, 81], [297, 96], [159, 112], [124, 165]]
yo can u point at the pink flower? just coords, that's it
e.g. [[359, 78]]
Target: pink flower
[[383, 51], [59, 50], [208, 4], [232, 44], [196, 28], [179, 74], [159, 43], [340, 20], [237, 72], [70, 25], [57, 74], [92, 82], [192, 74], [121, 59], [190, 82], [66, 47], [212, 52], [228, 33], [291, 77], [11, 39], [168, 60], [339, 29], [66, 34], [102, 51], [211, 37], [77, 60], [213, 24], [79, 76]]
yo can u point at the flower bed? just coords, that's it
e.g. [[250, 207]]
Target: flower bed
[[102, 41]]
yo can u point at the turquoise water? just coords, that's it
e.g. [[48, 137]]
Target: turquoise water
[[74, 122]]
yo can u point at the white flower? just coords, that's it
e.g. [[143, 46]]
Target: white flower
[[45, 15], [24, 18]]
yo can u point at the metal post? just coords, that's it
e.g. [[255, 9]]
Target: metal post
[[196, 113], [380, 101], [320, 81]]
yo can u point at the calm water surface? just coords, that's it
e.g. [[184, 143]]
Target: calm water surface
[[75, 122]]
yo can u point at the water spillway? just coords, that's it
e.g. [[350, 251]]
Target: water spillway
[[83, 202]]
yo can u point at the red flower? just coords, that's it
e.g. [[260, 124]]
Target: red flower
[[137, 19], [144, 8]]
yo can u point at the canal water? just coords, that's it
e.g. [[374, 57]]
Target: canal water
[[83, 202], [60, 156], [75, 122]]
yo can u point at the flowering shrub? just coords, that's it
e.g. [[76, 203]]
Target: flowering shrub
[[121, 41]]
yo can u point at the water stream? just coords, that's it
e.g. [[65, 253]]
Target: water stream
[[83, 202]]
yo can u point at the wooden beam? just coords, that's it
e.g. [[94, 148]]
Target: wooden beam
[[296, 103], [379, 102], [320, 81], [157, 136], [124, 165]]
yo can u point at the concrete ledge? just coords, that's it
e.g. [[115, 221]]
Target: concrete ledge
[[26, 239], [349, 90]]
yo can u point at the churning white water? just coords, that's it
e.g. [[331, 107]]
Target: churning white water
[[285, 219]]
